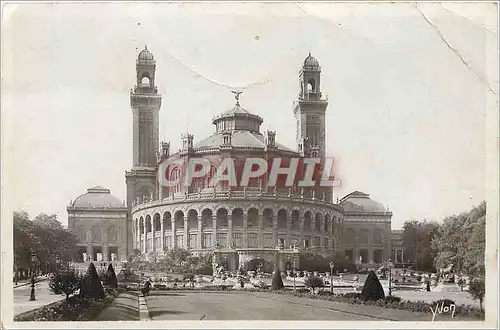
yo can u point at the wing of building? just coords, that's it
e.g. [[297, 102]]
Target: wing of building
[[239, 223]]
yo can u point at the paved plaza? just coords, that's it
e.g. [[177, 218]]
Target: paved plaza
[[43, 296], [267, 306]]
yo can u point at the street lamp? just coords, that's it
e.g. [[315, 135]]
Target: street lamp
[[332, 265], [33, 261], [390, 265]]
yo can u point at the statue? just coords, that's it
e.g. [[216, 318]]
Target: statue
[[237, 96]]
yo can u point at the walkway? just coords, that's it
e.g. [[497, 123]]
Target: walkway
[[183, 305], [125, 307], [43, 297]]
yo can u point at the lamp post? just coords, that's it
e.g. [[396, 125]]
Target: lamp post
[[33, 261], [332, 265], [390, 265]]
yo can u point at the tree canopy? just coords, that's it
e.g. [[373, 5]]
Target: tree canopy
[[45, 237]]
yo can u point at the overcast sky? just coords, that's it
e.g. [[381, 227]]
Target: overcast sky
[[406, 113]]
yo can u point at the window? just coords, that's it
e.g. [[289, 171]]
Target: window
[[168, 242], [307, 241], [179, 239], [363, 236], [207, 240], [253, 240], [317, 241], [157, 244], [295, 239], [325, 243], [150, 244], [222, 240], [238, 240], [268, 240], [193, 241]]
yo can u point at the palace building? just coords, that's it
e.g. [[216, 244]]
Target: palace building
[[240, 224]]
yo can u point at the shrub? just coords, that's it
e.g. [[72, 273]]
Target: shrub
[[65, 282], [477, 290], [110, 277], [277, 283], [392, 299], [92, 286], [444, 302], [372, 290], [314, 282], [188, 277]]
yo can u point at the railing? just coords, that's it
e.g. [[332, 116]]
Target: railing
[[235, 194]]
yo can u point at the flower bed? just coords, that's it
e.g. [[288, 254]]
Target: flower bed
[[75, 308], [389, 302]]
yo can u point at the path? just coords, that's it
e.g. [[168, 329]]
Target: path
[[125, 307], [43, 297], [169, 305]]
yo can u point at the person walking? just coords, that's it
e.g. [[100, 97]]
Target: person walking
[[146, 288]]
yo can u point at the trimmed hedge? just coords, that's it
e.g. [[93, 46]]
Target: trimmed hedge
[[389, 302]]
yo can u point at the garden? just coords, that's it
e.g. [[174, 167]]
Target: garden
[[85, 296]]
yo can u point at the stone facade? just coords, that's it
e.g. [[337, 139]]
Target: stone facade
[[100, 222]]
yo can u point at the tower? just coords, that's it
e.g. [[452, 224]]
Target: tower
[[310, 110], [145, 102]]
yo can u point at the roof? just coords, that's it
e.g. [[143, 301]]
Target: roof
[[98, 197], [310, 61], [360, 202], [239, 139], [145, 55]]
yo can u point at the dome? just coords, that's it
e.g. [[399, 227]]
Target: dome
[[145, 55], [360, 202], [311, 61], [98, 197]]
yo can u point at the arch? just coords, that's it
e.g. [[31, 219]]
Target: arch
[[311, 85], [141, 225], [207, 218], [208, 207], [317, 222], [148, 223], [378, 237], [267, 217], [328, 224], [192, 216], [282, 219], [252, 218], [96, 234], [179, 219], [167, 221], [307, 220], [145, 81], [295, 218], [113, 234], [80, 232], [237, 215], [222, 218], [364, 236], [157, 221]]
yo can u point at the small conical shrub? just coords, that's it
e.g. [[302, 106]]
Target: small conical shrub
[[111, 280], [277, 283], [372, 290], [92, 286]]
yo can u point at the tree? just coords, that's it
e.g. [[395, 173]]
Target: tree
[[477, 291], [277, 282], [111, 280], [410, 229], [417, 242], [461, 241], [65, 282], [178, 255], [313, 282], [372, 290], [92, 286]]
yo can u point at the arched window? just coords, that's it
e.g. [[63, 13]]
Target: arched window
[[145, 81], [311, 86]]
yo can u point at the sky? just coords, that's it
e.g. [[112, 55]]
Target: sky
[[407, 86]]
